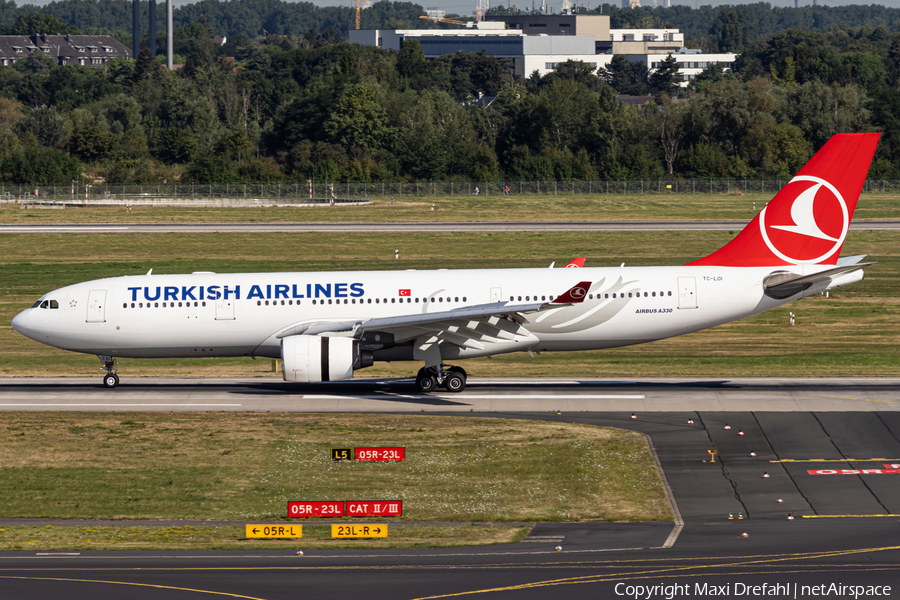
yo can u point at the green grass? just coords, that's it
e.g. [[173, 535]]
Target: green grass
[[562, 207], [225, 466], [852, 333], [186, 537]]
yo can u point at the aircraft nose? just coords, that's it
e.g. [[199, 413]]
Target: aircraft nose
[[20, 322]]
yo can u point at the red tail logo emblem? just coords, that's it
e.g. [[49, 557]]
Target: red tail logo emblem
[[817, 213]]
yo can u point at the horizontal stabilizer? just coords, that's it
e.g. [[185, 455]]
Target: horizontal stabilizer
[[785, 284]]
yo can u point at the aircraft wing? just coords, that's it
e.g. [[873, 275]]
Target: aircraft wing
[[471, 326]]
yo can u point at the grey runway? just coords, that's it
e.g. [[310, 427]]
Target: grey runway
[[417, 227], [506, 395]]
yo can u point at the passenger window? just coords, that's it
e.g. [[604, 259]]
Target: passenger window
[[645, 294], [329, 301], [654, 294], [179, 305], [132, 305], [314, 301], [164, 304], [203, 304], [267, 302], [520, 298], [124, 305], [464, 298], [259, 302], [670, 293], [456, 299], [155, 304], [141, 305], [607, 295], [417, 300], [393, 300]]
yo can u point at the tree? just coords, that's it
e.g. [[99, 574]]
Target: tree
[[411, 59], [359, 123], [664, 80], [671, 132], [46, 125], [38, 23]]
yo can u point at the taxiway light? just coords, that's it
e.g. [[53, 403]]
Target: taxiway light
[[727, 426], [740, 515], [790, 517], [745, 534], [690, 421], [633, 416], [765, 474], [753, 454], [780, 501], [299, 552], [740, 432], [730, 516], [559, 548]]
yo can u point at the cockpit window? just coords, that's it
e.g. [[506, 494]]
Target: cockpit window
[[45, 304], [36, 304], [54, 304]]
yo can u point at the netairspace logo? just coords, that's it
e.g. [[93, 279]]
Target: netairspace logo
[[735, 590]]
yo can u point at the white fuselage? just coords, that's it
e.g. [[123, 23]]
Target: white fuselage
[[206, 314]]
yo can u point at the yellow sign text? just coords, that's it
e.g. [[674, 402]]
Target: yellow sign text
[[359, 531]]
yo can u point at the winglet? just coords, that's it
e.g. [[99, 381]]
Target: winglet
[[576, 263], [577, 293]]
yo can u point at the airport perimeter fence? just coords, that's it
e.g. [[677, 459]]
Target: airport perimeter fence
[[302, 193]]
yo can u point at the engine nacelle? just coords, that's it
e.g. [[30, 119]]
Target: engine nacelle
[[311, 358]]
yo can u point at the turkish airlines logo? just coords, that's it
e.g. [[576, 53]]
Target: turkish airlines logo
[[810, 228], [577, 292]]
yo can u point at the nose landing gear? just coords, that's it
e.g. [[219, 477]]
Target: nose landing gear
[[453, 379], [110, 380]]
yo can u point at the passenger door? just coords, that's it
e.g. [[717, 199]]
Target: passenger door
[[687, 292], [96, 309]]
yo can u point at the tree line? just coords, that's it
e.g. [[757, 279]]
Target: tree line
[[293, 107]]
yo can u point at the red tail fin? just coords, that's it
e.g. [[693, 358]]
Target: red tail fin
[[807, 221], [576, 263]]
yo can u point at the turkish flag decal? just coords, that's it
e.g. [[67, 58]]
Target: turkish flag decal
[[406, 292]]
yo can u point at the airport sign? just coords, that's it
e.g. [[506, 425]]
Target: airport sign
[[341, 454], [328, 508], [359, 531], [854, 472], [380, 454], [274, 531], [374, 508]]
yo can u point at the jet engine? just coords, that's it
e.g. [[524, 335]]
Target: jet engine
[[312, 358]]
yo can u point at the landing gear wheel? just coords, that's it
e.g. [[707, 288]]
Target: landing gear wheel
[[111, 380], [459, 370], [454, 382], [426, 383]]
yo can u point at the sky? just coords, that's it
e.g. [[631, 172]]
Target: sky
[[467, 7]]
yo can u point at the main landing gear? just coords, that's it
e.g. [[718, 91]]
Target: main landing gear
[[110, 380], [453, 379]]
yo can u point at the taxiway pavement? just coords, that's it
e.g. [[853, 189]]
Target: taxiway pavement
[[827, 465], [407, 227]]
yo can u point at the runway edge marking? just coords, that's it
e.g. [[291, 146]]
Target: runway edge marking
[[679, 522]]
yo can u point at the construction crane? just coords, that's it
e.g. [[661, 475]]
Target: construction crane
[[357, 11], [439, 20]]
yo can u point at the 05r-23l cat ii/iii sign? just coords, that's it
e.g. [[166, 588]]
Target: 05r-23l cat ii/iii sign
[[326, 325]]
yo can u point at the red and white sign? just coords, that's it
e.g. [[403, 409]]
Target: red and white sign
[[374, 508], [855, 471], [892, 465], [380, 454], [298, 510], [405, 293]]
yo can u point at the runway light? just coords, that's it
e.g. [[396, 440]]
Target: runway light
[[558, 412], [690, 421], [780, 501], [730, 516], [727, 426], [299, 552], [753, 454], [790, 517], [740, 432], [740, 515], [559, 548], [745, 534], [633, 416], [765, 474]]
